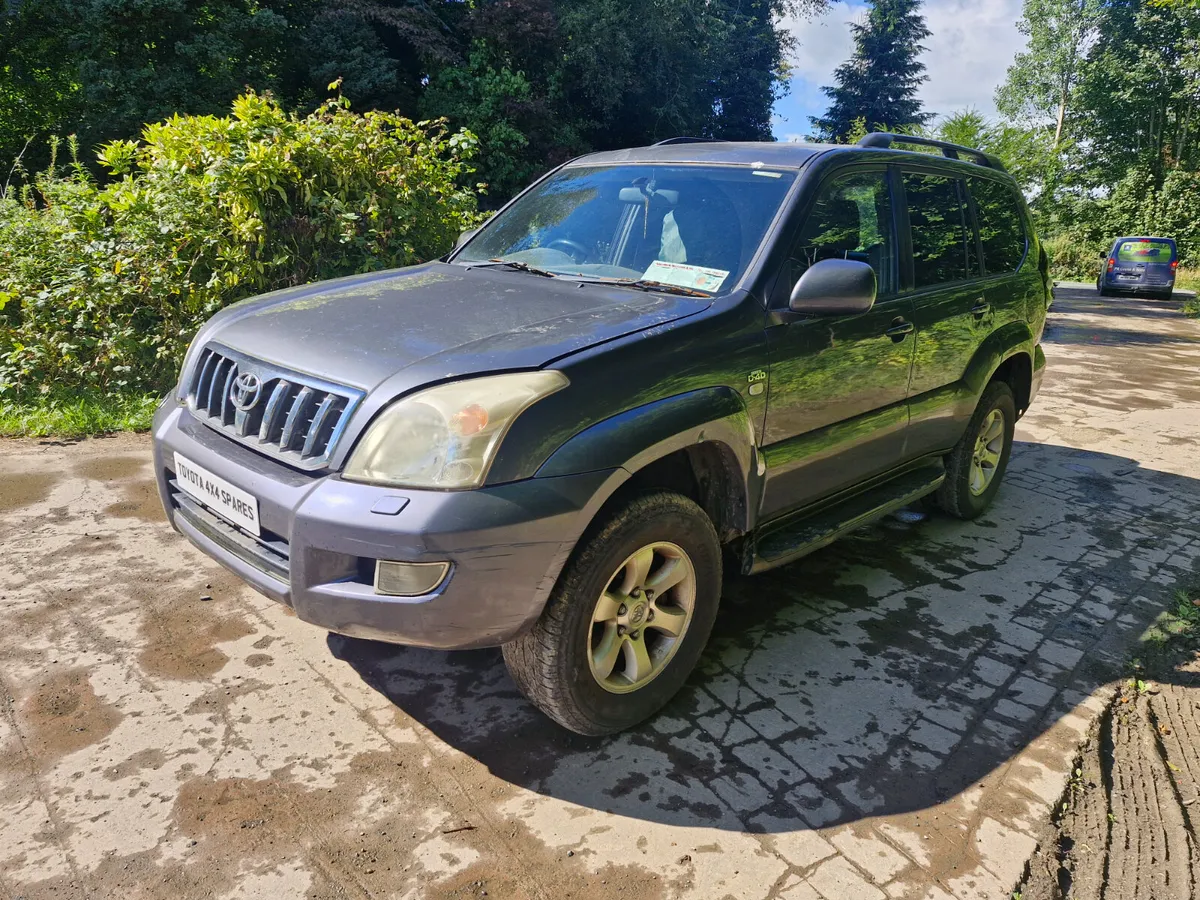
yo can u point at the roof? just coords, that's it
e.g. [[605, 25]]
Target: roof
[[769, 153], [776, 154]]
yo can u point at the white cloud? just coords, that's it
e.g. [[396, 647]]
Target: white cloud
[[825, 42], [972, 45]]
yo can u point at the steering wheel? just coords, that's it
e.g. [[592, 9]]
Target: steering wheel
[[575, 250]]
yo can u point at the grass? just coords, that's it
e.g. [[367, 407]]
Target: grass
[[76, 416], [1175, 633]]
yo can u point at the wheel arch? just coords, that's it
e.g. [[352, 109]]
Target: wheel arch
[[1017, 372], [700, 444]]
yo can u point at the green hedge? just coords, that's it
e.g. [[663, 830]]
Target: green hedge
[[103, 286]]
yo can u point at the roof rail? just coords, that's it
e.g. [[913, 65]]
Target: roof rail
[[687, 140], [885, 139]]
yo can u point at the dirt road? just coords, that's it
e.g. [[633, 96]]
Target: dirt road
[[891, 717]]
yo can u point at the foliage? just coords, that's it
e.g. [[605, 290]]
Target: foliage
[[102, 287], [539, 80], [1043, 78], [75, 415], [879, 83], [544, 80]]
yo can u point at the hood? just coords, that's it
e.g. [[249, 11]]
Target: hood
[[360, 331]]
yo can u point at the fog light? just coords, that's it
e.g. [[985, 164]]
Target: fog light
[[402, 579]]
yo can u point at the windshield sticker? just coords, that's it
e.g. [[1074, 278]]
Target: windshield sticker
[[766, 174], [683, 275]]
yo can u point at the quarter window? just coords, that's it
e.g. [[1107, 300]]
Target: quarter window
[[942, 242], [1001, 228], [851, 219]]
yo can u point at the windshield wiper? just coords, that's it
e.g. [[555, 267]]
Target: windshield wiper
[[513, 264], [643, 284]]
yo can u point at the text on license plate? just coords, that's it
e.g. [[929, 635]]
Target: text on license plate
[[227, 501]]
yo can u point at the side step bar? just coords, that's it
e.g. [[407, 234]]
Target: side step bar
[[797, 537]]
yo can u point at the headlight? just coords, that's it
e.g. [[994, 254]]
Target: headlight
[[447, 436]]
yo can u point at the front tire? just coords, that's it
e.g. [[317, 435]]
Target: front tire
[[627, 620], [976, 465]]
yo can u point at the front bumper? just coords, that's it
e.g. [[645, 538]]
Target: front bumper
[[506, 544]]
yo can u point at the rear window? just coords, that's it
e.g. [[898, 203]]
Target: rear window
[[1000, 227], [941, 249], [1145, 251]]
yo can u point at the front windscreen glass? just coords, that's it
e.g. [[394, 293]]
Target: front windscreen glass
[[1145, 251], [688, 226]]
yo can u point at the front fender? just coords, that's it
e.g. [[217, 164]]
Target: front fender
[[637, 437]]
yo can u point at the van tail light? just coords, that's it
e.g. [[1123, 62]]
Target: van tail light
[[1111, 262], [1174, 265]]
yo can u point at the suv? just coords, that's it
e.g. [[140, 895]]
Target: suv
[[1139, 265], [650, 365]]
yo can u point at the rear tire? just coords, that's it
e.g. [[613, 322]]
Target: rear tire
[[976, 465], [605, 597]]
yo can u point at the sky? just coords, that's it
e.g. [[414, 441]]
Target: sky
[[972, 44]]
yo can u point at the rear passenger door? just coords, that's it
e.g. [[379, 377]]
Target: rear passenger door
[[950, 306], [1012, 285]]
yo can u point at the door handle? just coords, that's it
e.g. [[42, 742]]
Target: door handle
[[981, 309], [899, 329]]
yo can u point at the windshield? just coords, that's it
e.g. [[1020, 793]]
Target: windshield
[[694, 227], [1145, 251]]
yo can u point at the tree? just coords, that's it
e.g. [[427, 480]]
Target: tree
[[543, 80], [1138, 95], [878, 84], [104, 68], [1025, 151], [1043, 79]]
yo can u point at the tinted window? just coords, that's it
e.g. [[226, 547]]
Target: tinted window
[[851, 219], [936, 216], [1000, 225], [1145, 251]]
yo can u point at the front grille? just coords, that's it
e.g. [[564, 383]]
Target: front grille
[[294, 417], [269, 552]]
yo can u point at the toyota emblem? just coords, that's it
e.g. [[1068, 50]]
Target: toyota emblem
[[245, 391]]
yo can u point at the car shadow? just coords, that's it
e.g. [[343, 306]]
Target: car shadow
[[1090, 303], [882, 675]]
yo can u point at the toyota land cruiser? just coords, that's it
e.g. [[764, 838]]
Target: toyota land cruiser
[[651, 364]]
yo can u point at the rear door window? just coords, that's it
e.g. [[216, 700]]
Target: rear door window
[[1001, 228], [1145, 251], [942, 239]]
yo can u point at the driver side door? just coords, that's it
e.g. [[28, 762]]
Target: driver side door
[[837, 410]]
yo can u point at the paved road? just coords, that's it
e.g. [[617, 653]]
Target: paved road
[[891, 717]]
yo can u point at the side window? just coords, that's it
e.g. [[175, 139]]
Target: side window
[[851, 219], [942, 243], [1000, 226]]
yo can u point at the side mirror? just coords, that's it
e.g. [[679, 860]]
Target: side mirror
[[835, 287], [1103, 255], [464, 237]]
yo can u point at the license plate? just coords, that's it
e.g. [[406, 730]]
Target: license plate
[[215, 493]]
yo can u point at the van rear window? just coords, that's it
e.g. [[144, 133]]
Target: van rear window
[[1145, 251]]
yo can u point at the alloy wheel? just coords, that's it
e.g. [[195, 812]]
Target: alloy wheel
[[639, 621], [989, 447]]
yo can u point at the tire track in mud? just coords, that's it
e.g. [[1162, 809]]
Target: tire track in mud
[[1126, 828]]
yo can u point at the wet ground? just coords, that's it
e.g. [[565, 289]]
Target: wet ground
[[891, 717]]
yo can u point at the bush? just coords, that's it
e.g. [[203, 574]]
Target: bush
[[1072, 258], [103, 286]]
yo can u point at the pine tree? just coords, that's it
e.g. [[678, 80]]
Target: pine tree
[[878, 85]]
